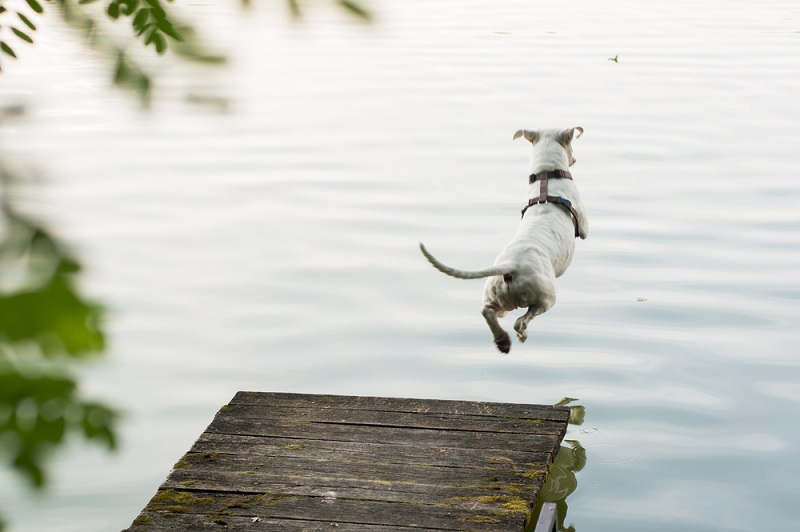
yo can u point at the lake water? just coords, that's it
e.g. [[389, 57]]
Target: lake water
[[274, 248]]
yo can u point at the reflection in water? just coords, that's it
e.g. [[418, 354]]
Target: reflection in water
[[561, 481]]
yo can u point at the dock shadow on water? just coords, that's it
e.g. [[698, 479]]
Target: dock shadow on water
[[562, 482]]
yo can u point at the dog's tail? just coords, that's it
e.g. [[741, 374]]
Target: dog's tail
[[461, 274]]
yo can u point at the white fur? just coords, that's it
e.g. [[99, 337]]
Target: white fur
[[542, 247]]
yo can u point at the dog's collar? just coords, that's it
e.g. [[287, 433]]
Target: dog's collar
[[549, 174], [543, 197]]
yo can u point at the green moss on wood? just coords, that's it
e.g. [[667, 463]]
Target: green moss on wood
[[174, 501], [533, 474], [142, 520], [239, 502], [480, 519], [517, 505], [220, 516], [509, 504]]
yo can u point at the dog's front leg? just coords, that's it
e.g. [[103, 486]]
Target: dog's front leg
[[501, 338]]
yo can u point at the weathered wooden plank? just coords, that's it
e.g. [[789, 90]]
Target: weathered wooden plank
[[393, 404], [510, 515], [253, 476], [438, 421], [311, 469], [309, 462], [348, 451], [152, 520], [400, 436], [398, 491]]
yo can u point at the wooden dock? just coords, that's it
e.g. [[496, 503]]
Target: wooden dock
[[278, 461]]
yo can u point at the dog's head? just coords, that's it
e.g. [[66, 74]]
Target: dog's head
[[546, 139]]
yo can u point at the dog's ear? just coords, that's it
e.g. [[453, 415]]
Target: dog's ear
[[567, 134], [532, 136]]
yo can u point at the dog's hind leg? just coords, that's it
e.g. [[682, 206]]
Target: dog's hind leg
[[521, 325], [501, 339]]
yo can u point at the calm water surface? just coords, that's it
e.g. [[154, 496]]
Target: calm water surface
[[275, 248]]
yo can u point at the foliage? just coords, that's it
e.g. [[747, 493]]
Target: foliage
[[21, 34], [152, 23], [44, 322]]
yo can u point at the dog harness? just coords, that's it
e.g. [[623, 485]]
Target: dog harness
[[543, 197]]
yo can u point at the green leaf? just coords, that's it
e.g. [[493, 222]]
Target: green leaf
[[36, 6], [356, 9], [7, 49], [113, 10], [2, 9], [50, 312], [157, 10], [141, 18], [150, 36], [128, 7], [26, 21], [22, 35], [98, 423], [169, 29], [160, 43], [28, 463], [145, 28]]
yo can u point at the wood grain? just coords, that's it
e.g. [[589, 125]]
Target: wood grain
[[279, 461]]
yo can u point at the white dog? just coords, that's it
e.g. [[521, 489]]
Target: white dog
[[524, 274]]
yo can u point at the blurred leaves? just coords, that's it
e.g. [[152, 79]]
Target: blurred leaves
[[44, 323], [152, 23], [36, 414], [356, 9], [349, 6], [46, 309], [149, 21], [36, 6], [11, 20]]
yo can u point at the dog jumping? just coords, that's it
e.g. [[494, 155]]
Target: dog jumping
[[524, 273]]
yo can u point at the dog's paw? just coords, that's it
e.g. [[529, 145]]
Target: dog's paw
[[503, 343], [522, 336]]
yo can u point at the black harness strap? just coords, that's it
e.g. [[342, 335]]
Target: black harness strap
[[550, 174], [543, 197]]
